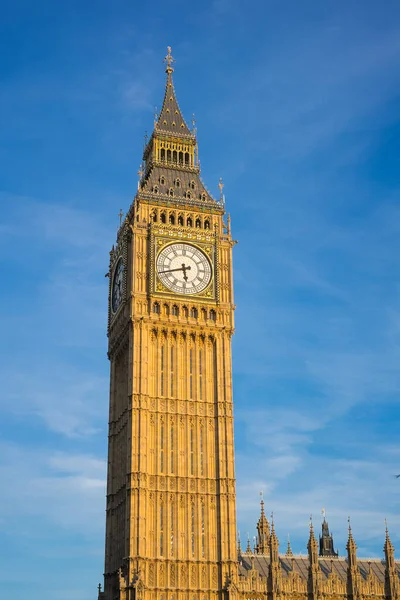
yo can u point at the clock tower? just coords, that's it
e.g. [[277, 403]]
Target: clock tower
[[171, 513]]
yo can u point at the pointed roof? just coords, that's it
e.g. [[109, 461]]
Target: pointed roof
[[312, 545], [388, 546], [351, 545], [326, 546], [289, 551], [170, 119]]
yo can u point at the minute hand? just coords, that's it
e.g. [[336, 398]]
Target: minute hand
[[171, 270]]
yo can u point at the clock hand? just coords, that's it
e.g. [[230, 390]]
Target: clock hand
[[182, 268]]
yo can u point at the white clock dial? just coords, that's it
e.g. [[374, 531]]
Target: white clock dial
[[183, 268]]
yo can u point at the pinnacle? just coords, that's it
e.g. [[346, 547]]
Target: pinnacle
[[170, 119]]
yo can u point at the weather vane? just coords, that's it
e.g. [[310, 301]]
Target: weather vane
[[169, 59]]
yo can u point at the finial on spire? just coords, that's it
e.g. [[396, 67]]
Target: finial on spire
[[289, 551], [193, 124], [155, 115], [262, 504], [120, 214], [169, 59], [323, 513], [248, 548]]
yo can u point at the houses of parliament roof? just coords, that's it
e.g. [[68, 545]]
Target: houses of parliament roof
[[321, 571]]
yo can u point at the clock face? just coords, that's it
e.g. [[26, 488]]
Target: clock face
[[116, 294], [183, 268]]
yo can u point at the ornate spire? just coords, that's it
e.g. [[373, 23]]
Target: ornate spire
[[351, 547], [326, 547], [263, 532], [391, 576], [353, 575], [248, 547], [273, 543], [289, 551], [274, 572], [312, 546], [313, 567], [170, 118], [239, 546], [388, 547]]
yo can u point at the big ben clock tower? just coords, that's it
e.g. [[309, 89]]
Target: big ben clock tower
[[171, 514]]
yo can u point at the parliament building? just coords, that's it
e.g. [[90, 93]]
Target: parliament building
[[171, 503]]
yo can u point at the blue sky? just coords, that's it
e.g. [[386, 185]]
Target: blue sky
[[297, 107]]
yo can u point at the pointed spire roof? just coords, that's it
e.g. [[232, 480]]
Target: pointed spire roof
[[170, 119], [351, 545], [312, 545], [239, 545], [388, 547], [326, 546], [289, 551]]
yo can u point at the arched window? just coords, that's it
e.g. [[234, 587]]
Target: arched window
[[180, 158], [162, 180], [175, 310], [186, 158], [155, 189], [161, 530], [191, 450], [185, 311], [162, 370], [191, 372], [156, 308], [171, 192], [168, 155], [162, 447], [203, 537], [166, 309], [162, 154], [172, 219], [200, 367], [154, 216], [192, 185], [193, 312], [189, 222], [175, 156], [171, 446], [188, 194], [192, 529], [203, 196], [206, 224], [178, 182], [163, 218], [203, 313], [180, 220], [198, 223], [213, 315], [172, 375]]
